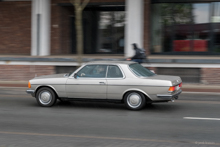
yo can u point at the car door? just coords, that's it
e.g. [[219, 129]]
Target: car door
[[90, 82], [115, 82]]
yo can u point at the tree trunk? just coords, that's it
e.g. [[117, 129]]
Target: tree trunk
[[79, 26]]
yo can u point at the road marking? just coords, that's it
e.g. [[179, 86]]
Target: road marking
[[201, 118]]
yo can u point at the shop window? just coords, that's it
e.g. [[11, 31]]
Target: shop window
[[111, 32], [215, 18], [103, 29], [180, 27]]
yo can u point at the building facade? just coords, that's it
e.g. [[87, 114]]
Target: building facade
[[162, 27], [47, 27]]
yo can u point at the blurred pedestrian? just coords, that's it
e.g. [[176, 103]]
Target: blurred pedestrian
[[140, 55]]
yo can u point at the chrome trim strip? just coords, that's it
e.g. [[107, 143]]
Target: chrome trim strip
[[107, 84], [106, 71], [48, 84], [91, 78], [121, 85]]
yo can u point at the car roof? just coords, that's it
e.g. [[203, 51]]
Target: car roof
[[111, 62]]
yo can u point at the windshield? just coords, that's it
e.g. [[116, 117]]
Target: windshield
[[140, 71]]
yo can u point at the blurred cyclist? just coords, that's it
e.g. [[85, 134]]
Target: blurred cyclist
[[139, 56]]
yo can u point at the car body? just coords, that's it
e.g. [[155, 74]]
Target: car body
[[117, 81]]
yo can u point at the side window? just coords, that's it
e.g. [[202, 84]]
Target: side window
[[114, 72], [93, 71]]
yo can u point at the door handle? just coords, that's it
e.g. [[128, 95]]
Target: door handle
[[102, 83]]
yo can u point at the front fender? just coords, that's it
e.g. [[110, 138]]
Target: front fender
[[50, 86]]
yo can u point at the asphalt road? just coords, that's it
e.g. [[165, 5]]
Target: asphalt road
[[193, 120]]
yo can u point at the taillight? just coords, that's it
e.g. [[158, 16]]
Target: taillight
[[171, 89], [29, 84], [180, 85]]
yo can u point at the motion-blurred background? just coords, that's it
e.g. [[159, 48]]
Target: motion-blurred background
[[181, 37]]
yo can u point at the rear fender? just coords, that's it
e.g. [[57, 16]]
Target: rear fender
[[138, 90]]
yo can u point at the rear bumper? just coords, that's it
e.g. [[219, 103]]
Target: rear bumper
[[32, 92], [169, 96]]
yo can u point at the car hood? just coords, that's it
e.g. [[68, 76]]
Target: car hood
[[174, 79], [51, 76]]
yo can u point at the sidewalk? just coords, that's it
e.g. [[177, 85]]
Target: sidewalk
[[185, 88]]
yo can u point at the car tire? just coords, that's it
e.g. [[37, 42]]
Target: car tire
[[134, 100], [46, 97]]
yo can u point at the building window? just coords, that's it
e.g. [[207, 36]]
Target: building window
[[215, 18], [185, 27], [111, 32], [103, 28]]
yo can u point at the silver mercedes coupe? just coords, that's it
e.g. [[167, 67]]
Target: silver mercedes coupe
[[113, 81]]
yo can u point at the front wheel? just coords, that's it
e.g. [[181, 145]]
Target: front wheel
[[46, 97], [134, 100]]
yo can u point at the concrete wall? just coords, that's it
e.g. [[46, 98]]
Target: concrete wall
[[24, 72], [210, 75]]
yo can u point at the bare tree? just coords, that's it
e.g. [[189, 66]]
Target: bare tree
[[79, 7]]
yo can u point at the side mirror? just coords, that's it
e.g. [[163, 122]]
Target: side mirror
[[75, 75]]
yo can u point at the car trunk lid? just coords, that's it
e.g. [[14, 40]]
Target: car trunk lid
[[174, 79]]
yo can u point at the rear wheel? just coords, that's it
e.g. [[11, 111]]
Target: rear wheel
[[134, 100], [46, 97]]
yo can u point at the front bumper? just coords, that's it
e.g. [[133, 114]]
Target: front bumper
[[169, 96], [32, 92]]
